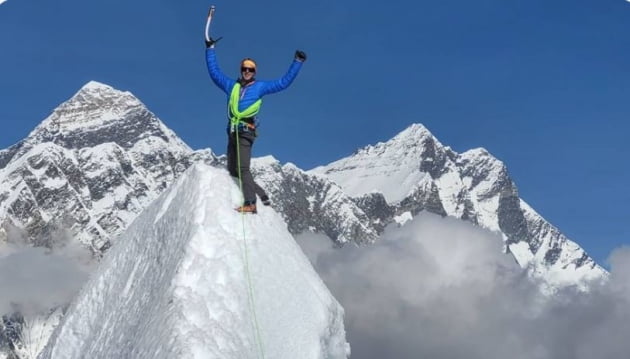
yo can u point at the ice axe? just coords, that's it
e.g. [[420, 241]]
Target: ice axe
[[209, 40]]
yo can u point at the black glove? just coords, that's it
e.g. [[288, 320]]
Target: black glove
[[212, 41], [300, 55]]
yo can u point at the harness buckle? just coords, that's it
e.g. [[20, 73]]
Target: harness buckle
[[241, 126]]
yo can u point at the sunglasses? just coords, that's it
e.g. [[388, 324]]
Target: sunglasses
[[248, 69]]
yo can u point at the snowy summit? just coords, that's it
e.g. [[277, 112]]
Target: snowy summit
[[176, 286], [390, 167]]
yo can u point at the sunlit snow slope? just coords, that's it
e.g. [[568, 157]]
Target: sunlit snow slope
[[175, 286]]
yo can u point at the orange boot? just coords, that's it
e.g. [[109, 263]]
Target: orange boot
[[247, 208]]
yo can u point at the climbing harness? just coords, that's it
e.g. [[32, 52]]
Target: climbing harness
[[237, 118]]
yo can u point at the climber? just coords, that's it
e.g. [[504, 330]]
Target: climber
[[244, 100]]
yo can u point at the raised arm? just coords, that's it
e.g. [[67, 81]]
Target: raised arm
[[218, 77], [286, 80]]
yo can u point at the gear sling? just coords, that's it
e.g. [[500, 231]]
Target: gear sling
[[237, 117]]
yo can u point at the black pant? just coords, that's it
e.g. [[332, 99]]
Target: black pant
[[245, 142]]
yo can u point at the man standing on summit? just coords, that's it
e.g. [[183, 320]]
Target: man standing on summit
[[244, 100]]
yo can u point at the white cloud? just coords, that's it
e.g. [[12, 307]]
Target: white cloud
[[33, 280], [442, 288]]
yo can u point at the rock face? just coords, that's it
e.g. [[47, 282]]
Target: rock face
[[312, 202], [100, 159]]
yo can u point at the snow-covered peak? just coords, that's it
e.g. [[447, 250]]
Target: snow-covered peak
[[93, 106], [479, 165], [475, 152], [99, 159], [98, 114], [393, 167], [480, 157], [477, 155], [268, 160], [95, 86], [409, 142], [181, 281], [415, 131]]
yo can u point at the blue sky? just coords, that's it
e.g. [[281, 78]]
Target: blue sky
[[540, 84]]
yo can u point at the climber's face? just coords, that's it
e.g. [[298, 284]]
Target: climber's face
[[247, 72], [248, 69]]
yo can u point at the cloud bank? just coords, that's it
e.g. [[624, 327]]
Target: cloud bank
[[442, 288], [34, 280]]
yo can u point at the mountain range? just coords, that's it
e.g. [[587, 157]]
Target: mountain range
[[102, 157]]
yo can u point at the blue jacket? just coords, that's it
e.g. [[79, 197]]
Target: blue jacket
[[255, 90]]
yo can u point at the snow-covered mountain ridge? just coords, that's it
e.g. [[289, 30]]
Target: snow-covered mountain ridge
[[413, 172], [101, 157], [176, 286]]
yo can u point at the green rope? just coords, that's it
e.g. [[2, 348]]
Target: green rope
[[246, 254]]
